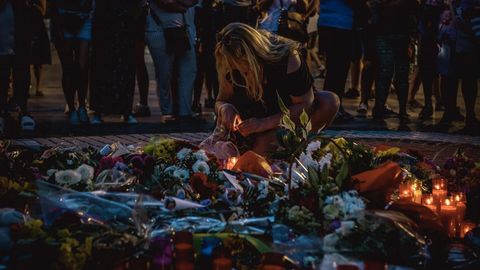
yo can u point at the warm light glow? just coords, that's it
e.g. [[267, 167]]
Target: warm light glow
[[437, 186], [447, 202], [405, 192], [429, 201], [457, 198], [231, 163]]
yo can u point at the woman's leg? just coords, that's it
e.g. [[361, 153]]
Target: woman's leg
[[402, 69], [142, 73], [384, 74], [322, 114], [199, 80], [37, 71], [82, 55], [65, 53], [469, 84]]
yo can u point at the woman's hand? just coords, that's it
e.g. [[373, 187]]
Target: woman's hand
[[227, 115], [250, 126]]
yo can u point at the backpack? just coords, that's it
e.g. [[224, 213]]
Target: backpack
[[292, 24]]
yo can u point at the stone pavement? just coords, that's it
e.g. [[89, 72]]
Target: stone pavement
[[52, 122]]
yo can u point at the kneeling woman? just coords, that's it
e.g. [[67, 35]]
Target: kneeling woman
[[253, 66]]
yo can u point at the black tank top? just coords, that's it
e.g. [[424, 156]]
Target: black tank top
[[297, 83]]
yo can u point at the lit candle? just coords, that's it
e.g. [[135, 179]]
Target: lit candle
[[427, 201], [448, 214], [231, 163], [465, 227], [417, 193], [439, 193], [441, 183], [461, 206], [405, 190]]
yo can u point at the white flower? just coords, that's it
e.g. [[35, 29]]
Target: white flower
[[353, 203], [51, 172], [184, 153], [182, 174], [86, 172], [325, 160], [201, 167], [68, 177], [263, 188], [312, 147], [201, 155], [307, 161]]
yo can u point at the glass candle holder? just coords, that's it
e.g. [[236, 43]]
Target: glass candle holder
[[439, 183], [405, 190], [465, 227], [448, 215], [428, 201]]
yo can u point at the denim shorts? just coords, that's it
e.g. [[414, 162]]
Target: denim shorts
[[85, 32]]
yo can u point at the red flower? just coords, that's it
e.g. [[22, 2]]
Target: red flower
[[107, 163], [200, 184]]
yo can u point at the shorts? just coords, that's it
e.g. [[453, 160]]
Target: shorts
[[85, 32]]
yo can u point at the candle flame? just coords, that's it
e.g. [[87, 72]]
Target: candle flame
[[429, 201], [457, 198], [447, 202], [437, 186]]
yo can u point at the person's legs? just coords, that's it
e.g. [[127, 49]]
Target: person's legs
[[187, 69], [37, 71], [469, 84], [65, 53], [384, 74], [402, 69], [199, 80], [437, 93], [21, 81], [322, 114], [337, 47], [142, 73], [5, 70], [211, 77], [414, 87], [163, 63], [82, 54]]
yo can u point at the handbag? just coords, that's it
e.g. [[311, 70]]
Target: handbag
[[177, 40], [292, 25]]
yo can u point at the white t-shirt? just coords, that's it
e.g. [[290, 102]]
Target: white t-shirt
[[270, 20]]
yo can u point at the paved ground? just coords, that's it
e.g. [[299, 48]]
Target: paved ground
[[52, 122]]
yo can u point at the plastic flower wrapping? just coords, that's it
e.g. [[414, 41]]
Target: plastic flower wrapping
[[103, 208]]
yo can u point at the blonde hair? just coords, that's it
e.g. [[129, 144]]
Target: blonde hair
[[239, 43]]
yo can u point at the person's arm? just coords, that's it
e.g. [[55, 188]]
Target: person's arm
[[227, 114], [299, 103], [312, 8]]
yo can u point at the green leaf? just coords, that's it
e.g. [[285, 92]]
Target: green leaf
[[342, 174], [283, 107], [313, 177], [287, 123], [324, 175], [304, 118], [308, 126]]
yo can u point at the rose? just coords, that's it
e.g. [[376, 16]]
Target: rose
[[200, 184]]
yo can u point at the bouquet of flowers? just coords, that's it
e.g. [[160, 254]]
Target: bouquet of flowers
[[461, 172]]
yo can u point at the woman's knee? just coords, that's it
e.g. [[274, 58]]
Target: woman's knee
[[326, 101]]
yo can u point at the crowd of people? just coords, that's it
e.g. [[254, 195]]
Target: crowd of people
[[101, 47]]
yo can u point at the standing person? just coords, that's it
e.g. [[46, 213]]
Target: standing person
[[41, 54], [335, 26], [237, 11], [206, 22], [465, 63], [394, 22], [428, 51], [171, 41], [369, 66], [142, 109], [17, 29], [115, 31], [71, 30]]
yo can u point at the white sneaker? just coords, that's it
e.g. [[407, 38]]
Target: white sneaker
[[129, 119], [27, 123], [2, 125], [96, 120]]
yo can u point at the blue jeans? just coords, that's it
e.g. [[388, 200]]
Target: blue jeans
[[182, 67]]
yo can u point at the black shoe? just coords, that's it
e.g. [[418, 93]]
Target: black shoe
[[404, 118], [439, 107], [389, 113], [472, 123], [197, 108], [426, 113], [141, 111], [352, 93], [457, 115]]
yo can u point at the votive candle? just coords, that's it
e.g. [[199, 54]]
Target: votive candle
[[448, 214], [405, 190], [439, 193], [465, 227], [417, 193], [427, 201]]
